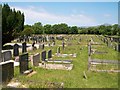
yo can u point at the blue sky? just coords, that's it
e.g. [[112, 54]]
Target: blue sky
[[72, 13]]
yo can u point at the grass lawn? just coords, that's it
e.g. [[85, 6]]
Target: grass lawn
[[73, 78]]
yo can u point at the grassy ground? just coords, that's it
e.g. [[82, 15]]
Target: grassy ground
[[73, 78]]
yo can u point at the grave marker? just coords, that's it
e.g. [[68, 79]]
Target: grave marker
[[58, 50], [24, 47], [23, 59], [7, 71], [16, 50], [49, 54], [7, 55], [36, 59], [43, 55]]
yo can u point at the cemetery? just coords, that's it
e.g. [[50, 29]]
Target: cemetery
[[69, 49], [58, 65]]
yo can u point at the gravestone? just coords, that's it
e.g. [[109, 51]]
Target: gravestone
[[49, 54], [24, 49], [33, 46], [118, 47], [7, 71], [41, 46], [63, 45], [16, 50], [23, 59], [49, 44], [58, 50], [36, 60], [89, 49], [43, 55], [7, 55]]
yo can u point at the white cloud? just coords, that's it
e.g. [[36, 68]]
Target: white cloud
[[107, 15], [33, 15]]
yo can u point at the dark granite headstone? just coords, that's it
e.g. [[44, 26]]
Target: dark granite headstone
[[49, 44], [23, 59], [24, 49], [16, 50], [49, 54], [36, 59], [118, 47], [7, 71], [43, 55], [7, 55]]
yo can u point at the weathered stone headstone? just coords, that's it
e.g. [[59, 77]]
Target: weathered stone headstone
[[24, 49], [16, 50], [43, 55], [53, 43], [7, 55], [41, 46], [117, 47], [49, 54], [23, 59], [36, 60], [58, 50], [63, 45], [7, 71], [89, 49]]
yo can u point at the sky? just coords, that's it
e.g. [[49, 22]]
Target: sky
[[71, 13]]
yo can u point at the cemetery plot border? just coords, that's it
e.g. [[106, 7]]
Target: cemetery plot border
[[93, 63]]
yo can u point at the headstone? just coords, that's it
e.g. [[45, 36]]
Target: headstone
[[89, 49], [58, 50], [7, 55], [36, 60], [63, 45], [41, 46], [49, 44], [43, 55], [33, 47], [7, 71], [24, 49], [16, 50], [118, 47], [23, 59], [49, 54]]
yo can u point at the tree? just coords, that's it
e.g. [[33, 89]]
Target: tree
[[12, 23], [73, 30], [27, 32], [47, 29], [38, 28]]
